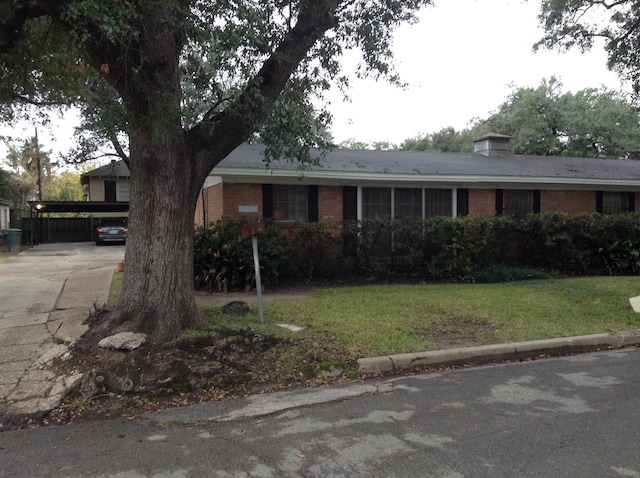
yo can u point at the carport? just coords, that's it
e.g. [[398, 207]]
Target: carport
[[42, 227]]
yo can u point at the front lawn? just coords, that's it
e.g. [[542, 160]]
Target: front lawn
[[375, 320]]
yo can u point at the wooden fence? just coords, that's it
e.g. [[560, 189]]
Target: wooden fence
[[59, 229]]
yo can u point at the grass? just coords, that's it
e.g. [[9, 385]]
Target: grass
[[377, 320], [384, 319], [116, 287]]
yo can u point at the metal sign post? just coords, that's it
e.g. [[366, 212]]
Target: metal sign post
[[254, 229], [256, 264]]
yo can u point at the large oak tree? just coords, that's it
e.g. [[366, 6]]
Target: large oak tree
[[187, 81]]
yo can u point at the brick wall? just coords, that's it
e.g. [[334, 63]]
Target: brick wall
[[330, 206], [209, 201], [224, 200], [482, 202], [236, 195], [568, 202]]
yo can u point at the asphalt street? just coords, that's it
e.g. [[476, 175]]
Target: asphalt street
[[576, 416]]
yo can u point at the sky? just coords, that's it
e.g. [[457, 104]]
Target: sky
[[460, 62]]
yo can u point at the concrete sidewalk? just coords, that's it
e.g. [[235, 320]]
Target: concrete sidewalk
[[46, 292]]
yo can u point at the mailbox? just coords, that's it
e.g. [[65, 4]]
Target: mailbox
[[253, 228]]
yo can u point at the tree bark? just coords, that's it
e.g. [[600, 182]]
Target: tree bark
[[158, 293]]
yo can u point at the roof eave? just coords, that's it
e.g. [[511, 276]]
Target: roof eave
[[250, 175]]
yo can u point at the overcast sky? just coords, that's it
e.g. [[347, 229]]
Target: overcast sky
[[459, 62]]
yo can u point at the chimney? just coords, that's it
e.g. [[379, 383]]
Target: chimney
[[492, 144]]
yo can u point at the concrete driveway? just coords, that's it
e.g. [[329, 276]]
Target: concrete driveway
[[45, 294]]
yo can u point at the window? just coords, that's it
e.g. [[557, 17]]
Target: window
[[290, 203], [437, 202], [613, 202], [284, 202], [124, 191], [407, 203], [376, 202], [517, 202]]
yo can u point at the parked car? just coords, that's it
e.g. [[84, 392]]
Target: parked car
[[111, 230]]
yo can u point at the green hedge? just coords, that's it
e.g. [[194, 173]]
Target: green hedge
[[463, 249]]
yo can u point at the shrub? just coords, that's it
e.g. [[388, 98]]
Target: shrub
[[223, 261], [315, 252], [439, 248]]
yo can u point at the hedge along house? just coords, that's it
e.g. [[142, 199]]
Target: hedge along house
[[357, 184]]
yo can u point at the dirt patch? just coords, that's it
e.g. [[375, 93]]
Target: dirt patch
[[220, 364], [456, 331]]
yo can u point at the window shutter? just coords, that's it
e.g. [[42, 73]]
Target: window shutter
[[350, 203], [462, 202], [267, 200], [312, 203], [499, 201], [599, 202], [632, 202], [536, 202]]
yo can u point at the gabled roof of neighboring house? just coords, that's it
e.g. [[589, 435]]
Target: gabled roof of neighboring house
[[5, 202], [115, 169], [344, 166]]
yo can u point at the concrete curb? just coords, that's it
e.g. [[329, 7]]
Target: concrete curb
[[498, 352]]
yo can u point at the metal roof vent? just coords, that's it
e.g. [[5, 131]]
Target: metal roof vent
[[492, 144]]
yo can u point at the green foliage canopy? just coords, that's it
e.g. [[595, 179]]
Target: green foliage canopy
[[569, 23], [93, 55], [594, 122]]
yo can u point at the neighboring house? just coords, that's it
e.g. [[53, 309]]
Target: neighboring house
[[108, 184], [5, 214], [357, 184]]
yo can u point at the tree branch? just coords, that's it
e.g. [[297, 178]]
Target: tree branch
[[216, 138]]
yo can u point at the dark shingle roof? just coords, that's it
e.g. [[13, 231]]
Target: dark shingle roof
[[248, 161], [444, 165], [115, 169]]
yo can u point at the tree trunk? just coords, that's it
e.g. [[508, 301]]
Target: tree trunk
[[158, 295]]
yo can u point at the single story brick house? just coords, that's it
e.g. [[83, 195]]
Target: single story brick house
[[356, 184]]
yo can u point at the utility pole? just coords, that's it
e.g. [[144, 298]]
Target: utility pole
[[39, 171]]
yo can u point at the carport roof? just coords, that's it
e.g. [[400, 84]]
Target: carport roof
[[78, 206]]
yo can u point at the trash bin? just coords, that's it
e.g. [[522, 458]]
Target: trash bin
[[12, 239]]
